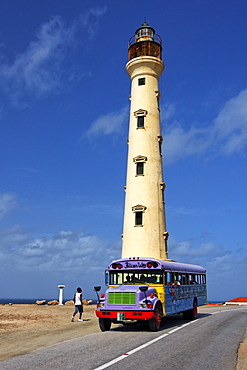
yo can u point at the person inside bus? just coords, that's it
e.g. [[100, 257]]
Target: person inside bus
[[142, 279], [153, 279], [193, 280], [127, 280], [183, 280], [134, 279]]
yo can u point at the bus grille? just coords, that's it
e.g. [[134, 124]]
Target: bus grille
[[121, 298]]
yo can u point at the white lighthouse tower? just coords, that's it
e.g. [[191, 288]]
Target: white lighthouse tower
[[144, 231]]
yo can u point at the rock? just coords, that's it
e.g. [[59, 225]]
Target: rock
[[43, 302], [53, 303], [84, 301]]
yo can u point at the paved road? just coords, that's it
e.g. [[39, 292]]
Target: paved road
[[209, 343]]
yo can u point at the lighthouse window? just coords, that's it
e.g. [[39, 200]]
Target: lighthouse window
[[140, 168], [140, 121], [138, 218], [140, 114], [162, 194], [141, 81], [162, 186], [160, 140]]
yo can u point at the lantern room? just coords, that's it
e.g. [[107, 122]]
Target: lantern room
[[145, 42]]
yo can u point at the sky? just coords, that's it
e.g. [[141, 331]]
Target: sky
[[63, 129]]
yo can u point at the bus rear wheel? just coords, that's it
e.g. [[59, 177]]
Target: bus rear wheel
[[104, 324], [192, 314], [155, 321]]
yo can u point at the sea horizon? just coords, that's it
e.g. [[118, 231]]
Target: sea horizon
[[33, 300]]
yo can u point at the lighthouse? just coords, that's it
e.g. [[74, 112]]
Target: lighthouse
[[144, 229]]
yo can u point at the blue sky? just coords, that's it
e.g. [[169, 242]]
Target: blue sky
[[63, 130]]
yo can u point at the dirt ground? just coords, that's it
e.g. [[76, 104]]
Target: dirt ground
[[242, 356], [24, 328]]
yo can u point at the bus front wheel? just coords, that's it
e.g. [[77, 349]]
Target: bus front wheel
[[104, 324], [155, 321]]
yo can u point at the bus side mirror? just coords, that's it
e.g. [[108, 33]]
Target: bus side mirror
[[143, 289], [106, 277], [97, 289]]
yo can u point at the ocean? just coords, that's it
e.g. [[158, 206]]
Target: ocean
[[30, 300], [33, 301], [20, 300]]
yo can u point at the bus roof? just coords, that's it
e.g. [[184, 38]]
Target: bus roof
[[152, 264]]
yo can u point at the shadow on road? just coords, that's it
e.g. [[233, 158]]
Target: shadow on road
[[167, 323]]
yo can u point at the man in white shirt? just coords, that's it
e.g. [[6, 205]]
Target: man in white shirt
[[78, 304]]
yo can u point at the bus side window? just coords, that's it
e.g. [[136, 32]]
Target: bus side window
[[113, 278], [168, 278], [192, 279], [173, 275], [158, 279], [183, 279]]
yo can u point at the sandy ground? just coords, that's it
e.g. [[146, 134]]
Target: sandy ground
[[24, 328], [242, 356]]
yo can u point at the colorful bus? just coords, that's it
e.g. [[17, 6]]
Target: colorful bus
[[143, 290]]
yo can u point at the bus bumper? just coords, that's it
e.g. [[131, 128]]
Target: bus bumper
[[124, 315]]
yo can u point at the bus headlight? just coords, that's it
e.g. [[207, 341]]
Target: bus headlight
[[143, 305], [146, 305]]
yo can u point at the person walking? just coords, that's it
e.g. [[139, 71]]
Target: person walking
[[78, 304]]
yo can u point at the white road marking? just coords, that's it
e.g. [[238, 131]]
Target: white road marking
[[142, 346], [153, 341]]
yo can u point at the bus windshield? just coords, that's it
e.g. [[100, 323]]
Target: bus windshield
[[135, 277]]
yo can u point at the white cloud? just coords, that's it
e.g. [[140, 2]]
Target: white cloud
[[38, 69], [230, 126], [168, 111], [226, 135], [225, 268], [63, 252], [72, 257], [33, 267], [179, 143], [186, 251], [111, 123], [89, 19], [7, 203]]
